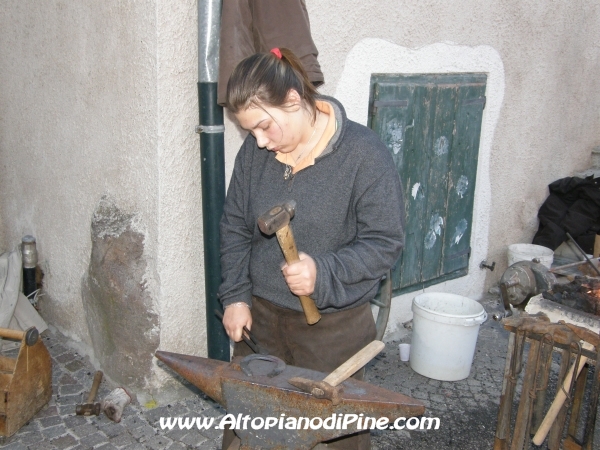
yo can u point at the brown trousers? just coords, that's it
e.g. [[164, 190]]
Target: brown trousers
[[323, 347], [251, 26]]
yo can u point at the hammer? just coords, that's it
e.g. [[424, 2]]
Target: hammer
[[89, 407], [277, 220], [330, 387]]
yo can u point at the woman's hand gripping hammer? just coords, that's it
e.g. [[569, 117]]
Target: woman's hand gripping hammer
[[277, 220]]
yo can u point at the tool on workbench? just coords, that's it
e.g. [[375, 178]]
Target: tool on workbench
[[263, 391], [559, 269], [25, 382], [329, 387], [90, 407], [584, 254], [248, 338], [277, 220]]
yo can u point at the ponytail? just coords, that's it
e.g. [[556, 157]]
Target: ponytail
[[267, 78]]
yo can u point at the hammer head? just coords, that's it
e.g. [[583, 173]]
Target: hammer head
[[318, 389], [88, 409], [277, 217]]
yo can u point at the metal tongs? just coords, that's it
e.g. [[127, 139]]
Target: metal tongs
[[248, 338]]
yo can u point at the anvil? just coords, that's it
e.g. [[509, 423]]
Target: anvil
[[261, 390]]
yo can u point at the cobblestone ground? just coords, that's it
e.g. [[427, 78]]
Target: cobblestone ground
[[467, 409]]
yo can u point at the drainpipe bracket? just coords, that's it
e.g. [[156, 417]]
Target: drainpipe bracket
[[209, 129]]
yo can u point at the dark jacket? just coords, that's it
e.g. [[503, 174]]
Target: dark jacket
[[252, 26], [573, 207]]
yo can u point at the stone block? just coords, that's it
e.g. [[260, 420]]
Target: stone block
[[119, 309]]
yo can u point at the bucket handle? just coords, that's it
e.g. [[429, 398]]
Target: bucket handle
[[477, 320]]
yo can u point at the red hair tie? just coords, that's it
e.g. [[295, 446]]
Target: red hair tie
[[276, 52]]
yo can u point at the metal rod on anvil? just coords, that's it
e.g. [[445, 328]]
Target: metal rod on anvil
[[583, 253], [261, 393], [573, 264]]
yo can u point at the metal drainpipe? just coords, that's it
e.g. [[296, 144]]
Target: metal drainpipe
[[212, 154]]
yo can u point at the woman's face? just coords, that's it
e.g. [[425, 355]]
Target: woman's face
[[276, 129]]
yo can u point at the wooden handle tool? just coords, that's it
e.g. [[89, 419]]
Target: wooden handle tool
[[277, 220], [90, 407], [30, 335], [329, 387], [559, 400], [290, 252]]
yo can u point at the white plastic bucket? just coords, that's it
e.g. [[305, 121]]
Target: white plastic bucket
[[445, 329], [526, 252]]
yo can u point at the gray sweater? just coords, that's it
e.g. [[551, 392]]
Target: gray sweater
[[349, 218]]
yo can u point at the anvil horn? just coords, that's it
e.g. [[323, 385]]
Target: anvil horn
[[204, 373]]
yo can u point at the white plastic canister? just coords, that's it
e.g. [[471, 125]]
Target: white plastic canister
[[445, 329], [527, 252]]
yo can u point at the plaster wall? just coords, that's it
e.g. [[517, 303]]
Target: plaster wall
[[99, 98], [78, 90]]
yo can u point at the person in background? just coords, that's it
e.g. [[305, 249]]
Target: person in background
[[348, 223]]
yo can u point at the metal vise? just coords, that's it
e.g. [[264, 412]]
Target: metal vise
[[521, 281]]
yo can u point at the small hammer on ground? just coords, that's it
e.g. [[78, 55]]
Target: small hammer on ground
[[277, 220], [89, 407], [330, 387]]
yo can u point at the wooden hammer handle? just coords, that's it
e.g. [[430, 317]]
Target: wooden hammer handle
[[9, 333], [310, 309], [30, 335], [559, 400], [355, 363], [95, 385], [290, 252]]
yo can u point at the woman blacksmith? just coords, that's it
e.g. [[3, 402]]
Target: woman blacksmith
[[348, 221]]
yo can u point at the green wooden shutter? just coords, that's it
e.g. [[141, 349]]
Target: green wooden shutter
[[432, 124]]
